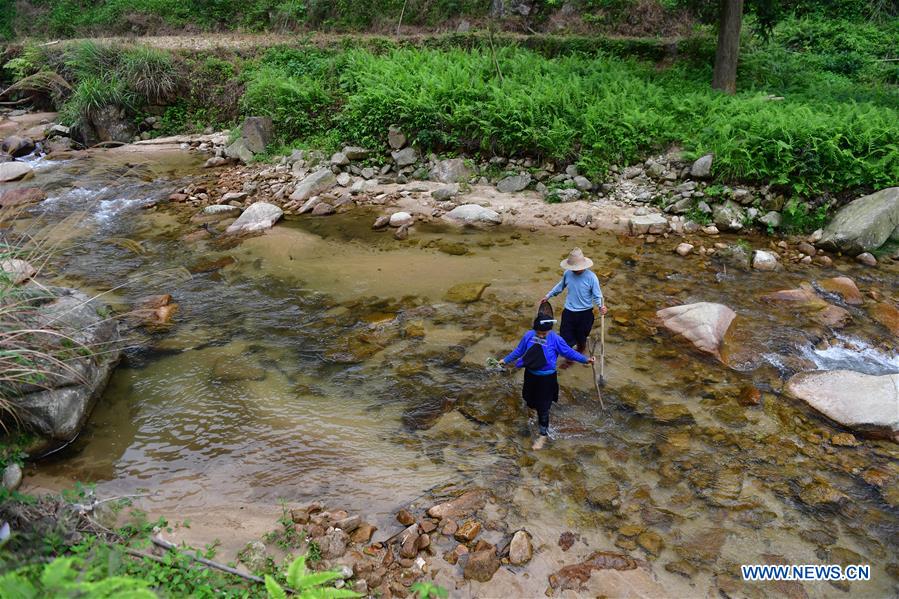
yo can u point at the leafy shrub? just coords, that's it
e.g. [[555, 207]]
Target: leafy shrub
[[62, 578], [296, 103], [307, 585], [149, 72], [798, 217]]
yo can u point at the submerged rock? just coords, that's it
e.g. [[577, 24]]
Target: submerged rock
[[864, 402], [864, 224], [22, 195], [520, 548], [887, 315], [705, 324], [845, 288], [465, 293], [481, 565], [572, 577], [467, 503]]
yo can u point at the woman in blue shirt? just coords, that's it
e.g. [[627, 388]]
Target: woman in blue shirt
[[537, 354]]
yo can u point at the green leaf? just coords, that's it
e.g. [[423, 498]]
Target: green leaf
[[296, 571], [315, 579], [273, 589]]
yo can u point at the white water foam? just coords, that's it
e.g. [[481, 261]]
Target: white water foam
[[851, 353]]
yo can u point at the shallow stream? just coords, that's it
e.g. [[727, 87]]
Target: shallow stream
[[321, 361]]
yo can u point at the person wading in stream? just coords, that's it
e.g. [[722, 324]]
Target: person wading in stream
[[583, 294], [537, 353]]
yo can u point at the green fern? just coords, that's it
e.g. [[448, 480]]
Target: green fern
[[307, 585]]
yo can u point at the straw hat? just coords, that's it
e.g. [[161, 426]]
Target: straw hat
[[576, 260]]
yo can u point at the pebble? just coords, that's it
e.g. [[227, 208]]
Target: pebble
[[710, 230], [867, 259]]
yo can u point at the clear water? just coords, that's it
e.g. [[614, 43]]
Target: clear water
[[250, 398]]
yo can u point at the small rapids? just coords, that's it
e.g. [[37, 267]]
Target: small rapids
[[851, 353]]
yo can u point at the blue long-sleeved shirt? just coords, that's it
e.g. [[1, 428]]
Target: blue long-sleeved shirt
[[583, 290], [553, 347]]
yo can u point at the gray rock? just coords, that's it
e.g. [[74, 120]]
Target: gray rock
[[862, 225], [655, 170], [682, 206], [343, 179], [864, 402], [451, 170], [447, 192], [514, 183], [762, 260], [13, 171], [309, 205], [395, 138], [355, 152], [239, 151], [221, 209], [58, 408], [254, 556], [110, 123], [234, 196], [632, 172], [473, 214], [58, 131], [728, 216], [685, 186], [318, 182], [381, 222], [12, 477], [16, 146], [866, 258], [398, 219], [258, 217], [256, 133], [583, 183], [404, 157], [339, 159], [702, 168], [772, 219], [322, 209], [520, 549], [571, 170], [652, 224], [567, 195], [368, 173]]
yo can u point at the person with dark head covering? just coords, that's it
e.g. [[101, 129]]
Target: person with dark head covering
[[537, 353]]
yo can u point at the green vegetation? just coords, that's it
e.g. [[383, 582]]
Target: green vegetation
[[307, 585]]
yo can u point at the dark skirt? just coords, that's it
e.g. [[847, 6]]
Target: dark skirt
[[540, 391], [576, 326]]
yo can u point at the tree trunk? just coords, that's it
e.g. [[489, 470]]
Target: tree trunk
[[728, 52], [498, 9]]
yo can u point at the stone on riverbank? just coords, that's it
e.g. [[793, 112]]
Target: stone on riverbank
[[864, 224], [451, 170], [17, 270], [514, 183], [864, 402], [12, 477], [705, 324], [59, 408], [258, 217], [467, 503], [765, 261], [318, 182], [702, 168], [405, 157], [471, 214], [649, 224], [17, 146]]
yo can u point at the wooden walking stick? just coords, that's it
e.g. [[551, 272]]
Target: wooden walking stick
[[595, 380], [602, 350]]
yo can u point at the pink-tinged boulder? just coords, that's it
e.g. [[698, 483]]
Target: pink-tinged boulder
[[845, 288], [863, 402], [20, 196], [705, 324]]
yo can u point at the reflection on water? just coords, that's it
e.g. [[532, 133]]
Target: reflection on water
[[322, 361]]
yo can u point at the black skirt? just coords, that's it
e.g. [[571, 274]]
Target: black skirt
[[540, 391], [576, 326]]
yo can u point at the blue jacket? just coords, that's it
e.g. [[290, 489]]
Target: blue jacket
[[583, 290], [554, 346]]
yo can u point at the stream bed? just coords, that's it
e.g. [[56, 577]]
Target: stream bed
[[321, 361]]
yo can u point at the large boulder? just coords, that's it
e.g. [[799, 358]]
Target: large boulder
[[864, 224], [451, 170], [514, 183], [318, 182], [472, 214], [112, 123], [702, 168], [13, 171], [705, 324], [864, 402], [728, 216], [258, 217], [238, 150], [58, 407], [405, 157], [653, 224], [256, 133], [16, 146]]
